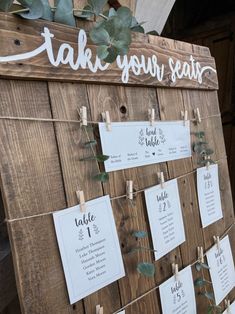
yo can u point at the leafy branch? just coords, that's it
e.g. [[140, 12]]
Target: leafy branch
[[201, 148], [112, 34]]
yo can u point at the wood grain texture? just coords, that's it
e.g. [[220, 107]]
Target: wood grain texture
[[18, 36]]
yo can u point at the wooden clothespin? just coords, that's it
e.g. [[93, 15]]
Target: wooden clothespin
[[227, 305], [208, 162], [151, 114], [197, 115], [184, 116], [175, 271], [107, 120], [83, 115], [217, 241], [200, 254], [99, 309], [161, 179], [129, 189], [81, 200]]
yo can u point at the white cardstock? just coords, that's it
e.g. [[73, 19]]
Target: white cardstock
[[178, 297], [165, 217], [209, 195], [221, 269], [231, 309], [89, 247], [133, 144]]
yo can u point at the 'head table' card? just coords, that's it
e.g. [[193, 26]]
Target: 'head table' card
[[178, 297], [209, 195], [231, 309], [89, 247], [221, 266], [133, 144], [165, 217]]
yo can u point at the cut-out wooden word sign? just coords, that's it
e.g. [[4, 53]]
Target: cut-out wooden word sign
[[133, 144], [49, 52]]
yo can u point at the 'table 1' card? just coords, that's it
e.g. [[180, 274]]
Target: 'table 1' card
[[209, 195], [220, 261], [165, 217], [89, 247], [133, 144], [178, 297]]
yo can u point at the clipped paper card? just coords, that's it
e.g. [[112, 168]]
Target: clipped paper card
[[89, 247], [165, 217], [209, 195], [231, 309], [133, 144], [178, 297], [221, 266]]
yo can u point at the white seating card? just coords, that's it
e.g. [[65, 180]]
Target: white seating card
[[165, 217], [231, 309], [133, 144], [89, 247], [221, 269], [178, 297], [209, 195]]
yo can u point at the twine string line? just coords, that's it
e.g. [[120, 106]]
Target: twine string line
[[79, 121], [157, 287]]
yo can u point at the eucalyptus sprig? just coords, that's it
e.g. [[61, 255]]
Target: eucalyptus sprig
[[112, 34], [201, 147]]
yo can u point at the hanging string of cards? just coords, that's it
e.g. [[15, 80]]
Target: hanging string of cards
[[87, 234]]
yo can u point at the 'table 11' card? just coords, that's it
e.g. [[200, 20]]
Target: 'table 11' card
[[220, 261], [89, 247], [165, 217], [133, 144], [178, 296]]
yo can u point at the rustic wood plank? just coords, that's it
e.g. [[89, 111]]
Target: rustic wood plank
[[65, 100], [15, 40], [132, 104]]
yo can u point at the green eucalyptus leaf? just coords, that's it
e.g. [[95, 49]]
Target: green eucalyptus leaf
[[208, 295], [199, 282], [86, 13], [210, 309], [64, 12], [47, 13], [112, 12], [205, 266], [113, 53], [90, 143], [102, 51], [36, 9], [101, 158], [102, 176], [125, 15], [97, 5], [155, 33], [140, 234], [200, 134], [138, 29], [100, 36], [146, 269], [209, 151], [198, 266], [5, 5]]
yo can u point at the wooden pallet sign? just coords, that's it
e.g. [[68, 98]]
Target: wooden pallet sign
[[48, 72]]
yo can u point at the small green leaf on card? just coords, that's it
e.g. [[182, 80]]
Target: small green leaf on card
[[146, 269]]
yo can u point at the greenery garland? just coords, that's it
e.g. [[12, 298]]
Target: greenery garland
[[111, 33]]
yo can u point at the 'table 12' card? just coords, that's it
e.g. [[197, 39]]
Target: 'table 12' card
[[178, 296], [209, 195], [89, 247], [220, 261], [165, 217], [133, 144]]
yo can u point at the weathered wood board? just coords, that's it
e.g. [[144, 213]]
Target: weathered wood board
[[40, 164]]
